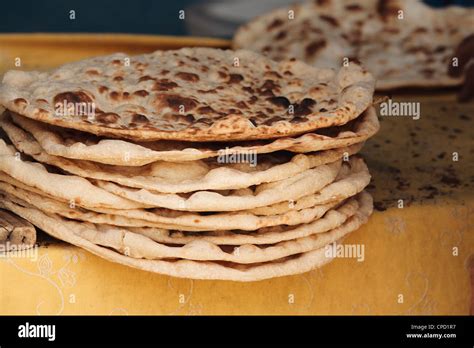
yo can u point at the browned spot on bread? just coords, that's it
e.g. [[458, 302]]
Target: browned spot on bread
[[141, 93], [304, 107], [20, 101], [276, 23], [391, 30], [211, 91], [354, 7], [355, 59], [273, 74], [222, 74], [386, 9], [175, 101], [41, 100], [235, 78], [241, 104], [187, 76], [279, 101], [268, 87], [420, 30], [253, 99], [118, 78], [233, 111], [329, 19], [116, 62], [418, 49], [114, 95], [248, 89], [103, 89], [92, 72], [164, 85], [140, 119], [273, 120], [72, 97], [205, 110], [145, 78], [322, 2], [298, 119], [314, 47], [107, 117], [281, 35]]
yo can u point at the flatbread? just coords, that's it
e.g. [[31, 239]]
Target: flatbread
[[190, 94], [248, 221], [72, 144], [67, 187], [411, 52], [184, 177], [267, 235], [140, 246], [178, 267], [307, 182], [328, 220], [353, 178]]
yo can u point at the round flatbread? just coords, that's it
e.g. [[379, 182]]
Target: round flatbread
[[402, 43], [182, 177], [191, 94], [72, 144], [141, 247]]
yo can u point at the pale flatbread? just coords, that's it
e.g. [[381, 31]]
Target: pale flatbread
[[67, 187], [402, 43], [241, 221], [307, 182], [268, 235], [178, 267], [353, 178], [140, 246], [83, 146], [176, 177]]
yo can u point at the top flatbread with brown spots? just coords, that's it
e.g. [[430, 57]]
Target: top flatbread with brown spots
[[191, 94]]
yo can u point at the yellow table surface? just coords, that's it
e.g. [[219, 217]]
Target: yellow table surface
[[410, 267]]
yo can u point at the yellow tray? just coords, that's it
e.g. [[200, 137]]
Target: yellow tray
[[41, 51], [409, 265]]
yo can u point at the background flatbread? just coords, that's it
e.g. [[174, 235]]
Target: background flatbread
[[411, 51]]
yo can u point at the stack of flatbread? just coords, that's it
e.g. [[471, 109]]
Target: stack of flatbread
[[403, 43], [198, 163]]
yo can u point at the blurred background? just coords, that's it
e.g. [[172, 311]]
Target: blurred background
[[202, 17]]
